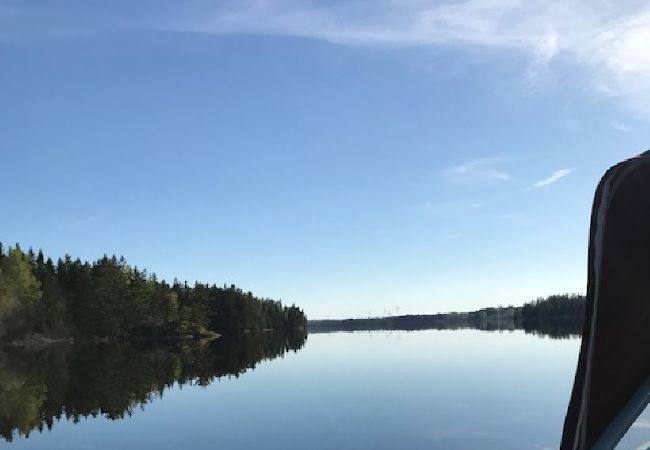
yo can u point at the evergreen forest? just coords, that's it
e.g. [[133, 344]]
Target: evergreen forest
[[110, 300]]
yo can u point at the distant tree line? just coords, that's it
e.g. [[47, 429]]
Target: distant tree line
[[557, 316], [554, 307], [42, 385], [110, 299]]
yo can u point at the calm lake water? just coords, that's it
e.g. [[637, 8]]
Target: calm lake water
[[451, 390]]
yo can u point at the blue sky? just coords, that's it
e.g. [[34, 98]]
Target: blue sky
[[352, 157]]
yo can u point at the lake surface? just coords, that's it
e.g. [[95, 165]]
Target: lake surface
[[433, 389]]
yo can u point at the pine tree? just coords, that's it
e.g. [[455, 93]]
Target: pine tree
[[20, 294]]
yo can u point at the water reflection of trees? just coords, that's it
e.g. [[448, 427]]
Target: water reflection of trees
[[41, 386], [555, 329]]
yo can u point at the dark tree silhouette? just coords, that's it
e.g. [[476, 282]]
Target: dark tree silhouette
[[111, 300]]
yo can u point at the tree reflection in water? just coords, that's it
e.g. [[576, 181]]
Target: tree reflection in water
[[40, 386]]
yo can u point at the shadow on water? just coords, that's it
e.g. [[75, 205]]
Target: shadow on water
[[39, 386]]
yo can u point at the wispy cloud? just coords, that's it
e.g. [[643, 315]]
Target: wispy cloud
[[606, 39], [620, 127], [555, 176], [483, 169]]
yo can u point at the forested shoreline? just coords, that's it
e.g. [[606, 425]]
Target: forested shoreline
[[110, 300], [558, 315]]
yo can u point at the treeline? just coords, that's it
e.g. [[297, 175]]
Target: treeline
[[112, 300], [554, 307], [556, 316], [40, 386]]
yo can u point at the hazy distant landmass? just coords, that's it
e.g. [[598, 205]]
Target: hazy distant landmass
[[556, 316]]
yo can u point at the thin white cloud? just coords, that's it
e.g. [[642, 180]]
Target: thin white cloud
[[555, 176], [621, 127], [483, 169], [607, 38]]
